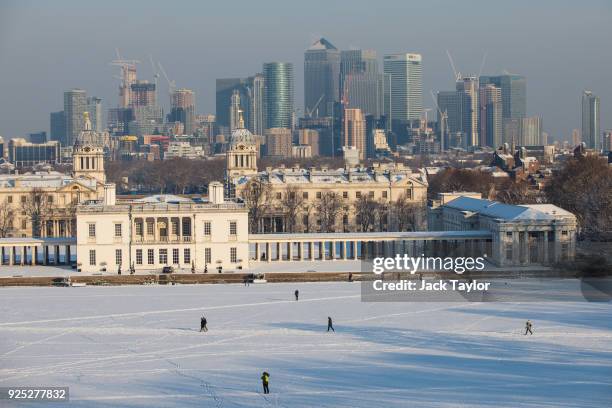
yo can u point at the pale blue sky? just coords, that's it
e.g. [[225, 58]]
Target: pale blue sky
[[561, 46]]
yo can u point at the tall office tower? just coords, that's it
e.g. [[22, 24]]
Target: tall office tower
[[235, 111], [468, 87], [278, 97], [142, 94], [278, 142], [406, 85], [251, 92], [576, 137], [75, 104], [513, 91], [182, 109], [607, 141], [128, 77], [360, 81], [256, 91], [531, 131], [94, 107], [490, 116], [450, 115], [354, 131], [590, 120], [321, 74], [57, 126]]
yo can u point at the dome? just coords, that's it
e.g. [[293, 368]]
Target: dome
[[242, 135]]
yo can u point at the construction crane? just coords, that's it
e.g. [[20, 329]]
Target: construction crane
[[155, 76], [128, 77], [309, 112], [442, 122], [171, 84]]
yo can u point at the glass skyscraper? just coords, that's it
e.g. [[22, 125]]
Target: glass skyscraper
[[406, 86], [278, 98], [75, 104], [321, 74], [590, 120], [513, 94], [360, 81]]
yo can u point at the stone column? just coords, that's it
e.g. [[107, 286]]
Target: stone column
[[301, 248], [34, 255], [289, 248], [268, 252], [11, 255], [22, 259], [68, 254]]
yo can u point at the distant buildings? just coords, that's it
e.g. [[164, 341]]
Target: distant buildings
[[321, 75], [278, 142], [406, 86], [491, 129], [513, 92], [57, 126], [182, 109], [94, 107], [468, 90], [360, 81], [251, 101], [75, 104], [310, 137], [590, 120], [278, 95], [354, 130], [22, 153]]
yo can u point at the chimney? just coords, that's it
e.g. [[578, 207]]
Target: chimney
[[215, 193]]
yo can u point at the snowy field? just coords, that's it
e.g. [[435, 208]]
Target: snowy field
[[140, 346]]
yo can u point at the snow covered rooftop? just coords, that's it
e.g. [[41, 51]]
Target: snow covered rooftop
[[503, 211]]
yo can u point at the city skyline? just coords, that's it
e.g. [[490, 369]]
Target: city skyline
[[32, 90]]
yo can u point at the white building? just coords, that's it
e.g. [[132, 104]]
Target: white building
[[184, 150], [164, 230]]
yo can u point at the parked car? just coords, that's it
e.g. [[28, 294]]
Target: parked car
[[167, 269]]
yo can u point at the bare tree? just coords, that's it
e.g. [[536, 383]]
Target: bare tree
[[307, 210], [365, 213], [407, 214], [6, 218], [36, 207], [256, 196], [292, 202], [329, 208]]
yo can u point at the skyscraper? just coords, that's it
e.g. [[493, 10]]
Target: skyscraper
[[490, 116], [513, 93], [321, 74], [590, 120], [406, 85], [235, 111], [531, 131], [94, 107], [183, 109], [354, 131], [251, 94], [278, 94], [142, 94], [75, 104], [467, 87], [58, 126], [360, 81]]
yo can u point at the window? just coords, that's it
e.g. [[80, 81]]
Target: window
[[92, 230], [118, 257], [163, 256], [563, 232], [345, 194], [279, 196], [92, 257], [150, 227], [139, 257], [345, 219], [150, 256], [139, 228], [207, 256], [509, 234], [187, 255], [175, 256], [233, 255], [232, 228], [384, 194], [409, 193], [305, 195], [207, 228], [305, 220], [358, 194], [318, 194], [175, 227], [9, 199], [50, 199], [23, 199], [117, 230], [371, 194], [24, 224]]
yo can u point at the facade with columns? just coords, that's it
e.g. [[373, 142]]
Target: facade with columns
[[60, 193], [521, 234], [160, 231]]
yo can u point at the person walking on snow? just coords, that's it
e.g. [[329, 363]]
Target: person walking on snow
[[203, 322], [330, 325], [265, 380], [297, 294], [528, 327]]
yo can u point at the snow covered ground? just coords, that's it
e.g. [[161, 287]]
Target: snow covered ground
[[140, 346]]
